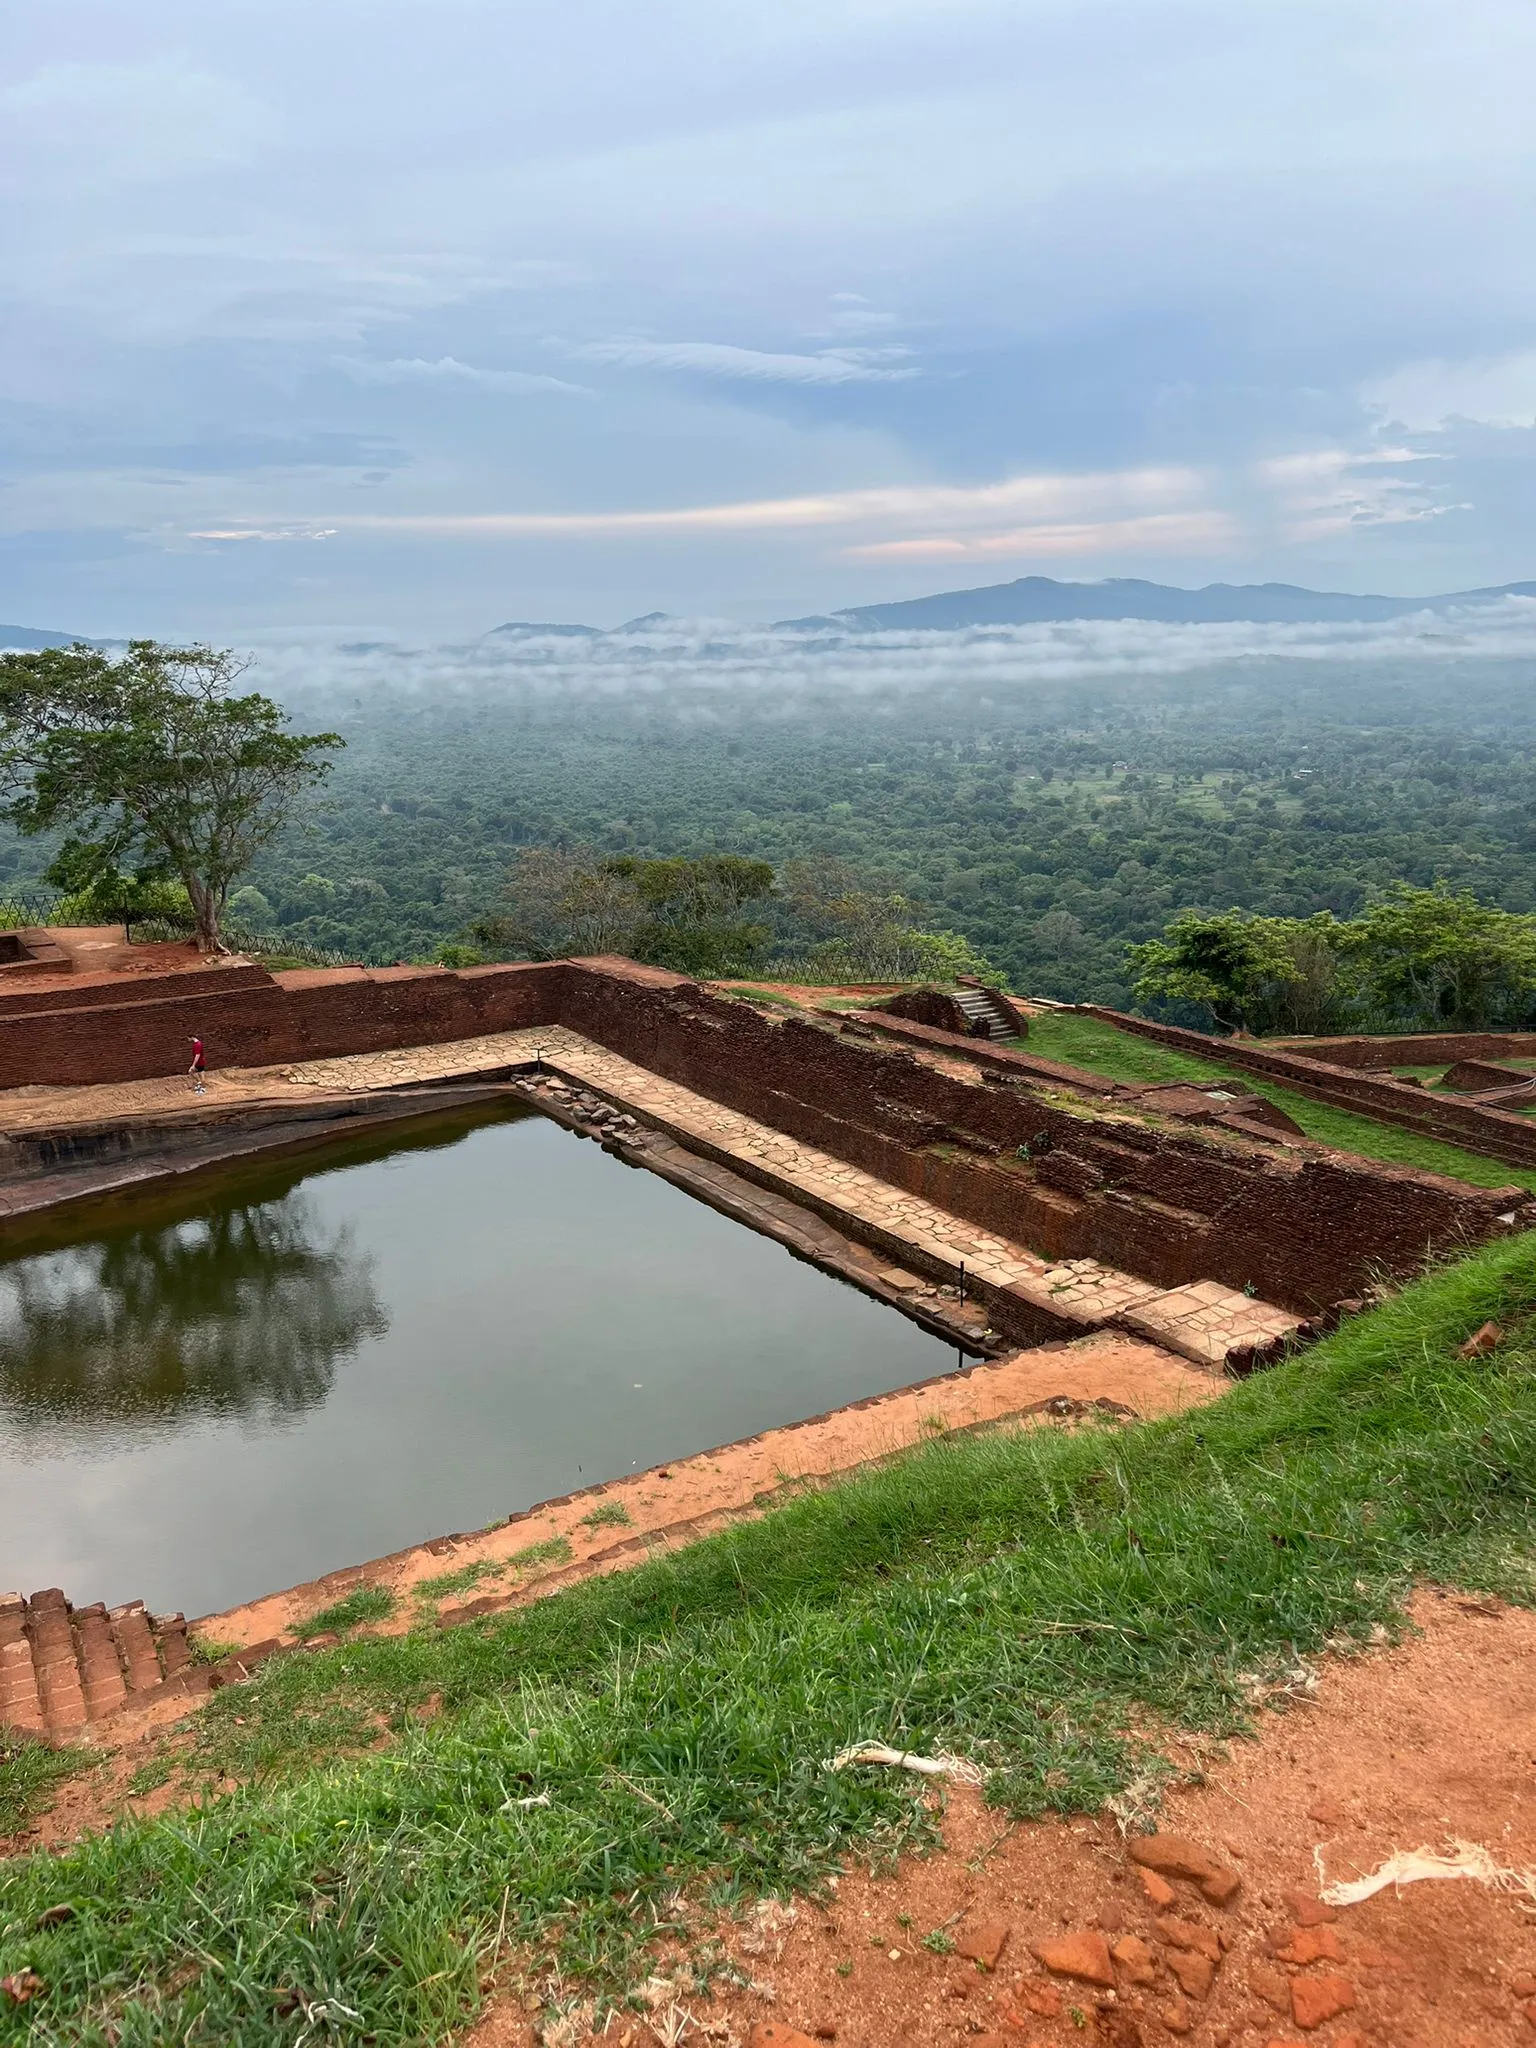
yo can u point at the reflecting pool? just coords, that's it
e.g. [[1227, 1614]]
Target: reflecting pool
[[214, 1391]]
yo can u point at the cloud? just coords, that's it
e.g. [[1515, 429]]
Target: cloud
[[1328, 491], [1495, 391], [264, 533], [1159, 532], [754, 365], [691, 664], [977, 508], [448, 371]]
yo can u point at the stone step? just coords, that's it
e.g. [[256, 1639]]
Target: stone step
[[54, 1661], [20, 1707], [135, 1642], [63, 1668], [101, 1670]]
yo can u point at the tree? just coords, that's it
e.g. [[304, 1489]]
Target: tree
[[1441, 960], [682, 914], [152, 758], [1250, 973]]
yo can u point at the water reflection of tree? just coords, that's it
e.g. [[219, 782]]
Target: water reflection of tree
[[245, 1311]]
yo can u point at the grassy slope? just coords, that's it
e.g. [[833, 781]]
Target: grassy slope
[[1091, 1043], [1017, 1597]]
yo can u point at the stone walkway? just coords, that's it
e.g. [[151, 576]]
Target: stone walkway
[[1202, 1322]]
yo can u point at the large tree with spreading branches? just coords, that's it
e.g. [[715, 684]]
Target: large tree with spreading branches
[[150, 759]]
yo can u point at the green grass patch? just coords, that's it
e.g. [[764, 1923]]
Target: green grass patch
[[1101, 1048], [553, 1550], [368, 1603], [446, 1584], [30, 1773], [608, 1514], [1024, 1598]]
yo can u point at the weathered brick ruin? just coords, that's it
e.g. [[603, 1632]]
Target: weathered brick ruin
[[1046, 1156]]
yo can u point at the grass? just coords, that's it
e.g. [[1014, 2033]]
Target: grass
[[553, 1550], [368, 1603], [608, 1514], [1028, 1599], [29, 1774], [1102, 1049]]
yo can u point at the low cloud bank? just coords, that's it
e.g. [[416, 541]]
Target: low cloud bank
[[690, 658]]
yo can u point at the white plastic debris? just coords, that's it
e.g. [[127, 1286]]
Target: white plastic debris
[[941, 1766], [1415, 1866]]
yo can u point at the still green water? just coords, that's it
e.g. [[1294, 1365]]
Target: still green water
[[212, 1393]]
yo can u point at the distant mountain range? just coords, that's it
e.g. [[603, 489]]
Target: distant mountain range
[[1036, 600], [25, 638], [1030, 601]]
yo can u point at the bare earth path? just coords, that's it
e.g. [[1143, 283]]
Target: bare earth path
[[1424, 1745]]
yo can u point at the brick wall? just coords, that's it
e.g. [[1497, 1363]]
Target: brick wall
[[1423, 1049], [1498, 1133], [1170, 1205], [294, 1016]]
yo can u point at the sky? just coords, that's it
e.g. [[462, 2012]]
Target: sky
[[387, 317]]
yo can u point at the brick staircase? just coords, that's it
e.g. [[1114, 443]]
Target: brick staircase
[[986, 1014], [64, 1668]]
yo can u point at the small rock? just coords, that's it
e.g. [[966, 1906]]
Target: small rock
[[1043, 2000], [1176, 2016], [1351, 2040], [1084, 1955], [1110, 1919], [1523, 1984], [1185, 1934], [825, 2031], [984, 1942], [1135, 1959], [1117, 2030], [1177, 1856], [1311, 1945], [21, 1987], [1529, 2010], [1481, 1342], [1270, 1984], [1307, 1910], [1196, 1973], [1316, 1999], [1159, 1891], [55, 1916], [1326, 1811], [774, 2034]]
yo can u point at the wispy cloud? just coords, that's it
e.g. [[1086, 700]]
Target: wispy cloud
[[1329, 491], [1495, 391], [1158, 532], [448, 371], [888, 365]]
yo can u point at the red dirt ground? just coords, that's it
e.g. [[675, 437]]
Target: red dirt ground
[[1419, 1746]]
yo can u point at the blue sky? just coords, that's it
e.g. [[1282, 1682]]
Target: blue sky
[[380, 316]]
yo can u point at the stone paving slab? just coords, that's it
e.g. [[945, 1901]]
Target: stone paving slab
[[1202, 1321]]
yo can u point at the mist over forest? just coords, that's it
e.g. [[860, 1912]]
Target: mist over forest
[[1053, 793]]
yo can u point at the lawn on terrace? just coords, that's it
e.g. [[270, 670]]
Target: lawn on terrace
[[1121, 1056], [1023, 1598]]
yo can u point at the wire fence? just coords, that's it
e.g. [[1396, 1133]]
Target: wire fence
[[150, 931], [24, 906]]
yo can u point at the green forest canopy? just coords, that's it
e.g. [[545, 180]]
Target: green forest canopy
[[1050, 825]]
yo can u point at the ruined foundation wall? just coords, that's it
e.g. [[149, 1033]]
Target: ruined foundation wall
[[305, 1015], [1417, 1049], [1500, 1134], [1170, 1205]]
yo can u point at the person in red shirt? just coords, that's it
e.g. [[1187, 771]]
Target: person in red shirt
[[198, 1068]]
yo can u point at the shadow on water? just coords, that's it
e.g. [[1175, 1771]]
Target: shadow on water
[[232, 1295]]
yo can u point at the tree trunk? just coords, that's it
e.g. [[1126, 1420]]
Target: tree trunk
[[205, 908]]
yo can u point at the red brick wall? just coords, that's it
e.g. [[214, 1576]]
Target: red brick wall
[[1498, 1133], [1171, 1206], [296, 1016], [1425, 1049]]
